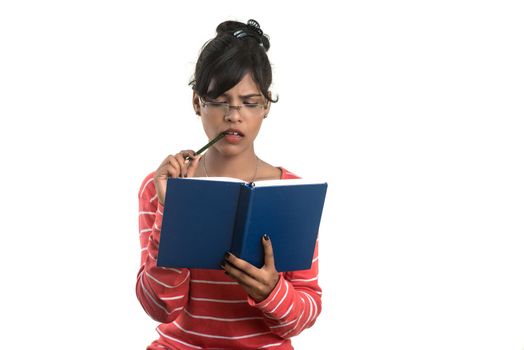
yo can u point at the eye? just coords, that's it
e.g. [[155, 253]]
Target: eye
[[217, 103], [251, 102]]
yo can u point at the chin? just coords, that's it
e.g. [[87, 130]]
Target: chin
[[231, 150]]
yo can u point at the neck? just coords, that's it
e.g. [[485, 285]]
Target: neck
[[242, 166]]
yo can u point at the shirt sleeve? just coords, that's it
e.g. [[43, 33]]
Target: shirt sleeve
[[295, 302], [162, 292]]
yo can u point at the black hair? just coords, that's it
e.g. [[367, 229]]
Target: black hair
[[236, 50]]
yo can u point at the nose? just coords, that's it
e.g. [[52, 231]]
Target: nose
[[233, 114]]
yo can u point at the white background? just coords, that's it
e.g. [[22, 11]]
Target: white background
[[411, 110]]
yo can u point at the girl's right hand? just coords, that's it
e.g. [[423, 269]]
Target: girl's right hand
[[174, 166]]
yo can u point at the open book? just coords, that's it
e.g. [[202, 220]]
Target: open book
[[206, 217]]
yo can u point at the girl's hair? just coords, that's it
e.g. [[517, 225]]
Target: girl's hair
[[236, 50]]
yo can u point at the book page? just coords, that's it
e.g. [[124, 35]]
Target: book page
[[216, 178], [262, 183], [287, 182]]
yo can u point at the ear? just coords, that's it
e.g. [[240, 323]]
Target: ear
[[196, 103]]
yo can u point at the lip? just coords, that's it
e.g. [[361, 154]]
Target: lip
[[233, 132], [233, 136]]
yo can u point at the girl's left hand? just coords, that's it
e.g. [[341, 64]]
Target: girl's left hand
[[258, 283]]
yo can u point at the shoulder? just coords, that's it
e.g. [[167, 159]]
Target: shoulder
[[286, 174], [147, 188], [270, 172]]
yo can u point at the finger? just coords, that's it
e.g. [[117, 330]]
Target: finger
[[240, 276], [182, 164], [258, 290], [164, 171], [165, 161], [193, 166], [173, 163], [244, 266], [188, 155], [161, 170], [269, 258], [173, 170], [183, 158]]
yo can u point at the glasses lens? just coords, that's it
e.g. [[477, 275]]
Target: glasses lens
[[217, 108], [223, 109], [252, 110]]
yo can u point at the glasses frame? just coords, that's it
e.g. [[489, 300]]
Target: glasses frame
[[226, 107]]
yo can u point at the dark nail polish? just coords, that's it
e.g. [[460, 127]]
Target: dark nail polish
[[266, 237], [227, 255]]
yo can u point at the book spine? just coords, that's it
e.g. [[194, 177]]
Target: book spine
[[242, 219]]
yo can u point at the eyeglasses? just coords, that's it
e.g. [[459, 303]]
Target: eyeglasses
[[224, 108]]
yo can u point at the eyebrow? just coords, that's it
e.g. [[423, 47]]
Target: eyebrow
[[243, 96]]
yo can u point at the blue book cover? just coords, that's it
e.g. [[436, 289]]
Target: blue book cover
[[204, 218]]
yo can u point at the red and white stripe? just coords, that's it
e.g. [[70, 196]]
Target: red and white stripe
[[206, 309]]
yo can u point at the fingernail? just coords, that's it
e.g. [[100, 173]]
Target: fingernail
[[227, 255], [223, 265], [266, 237]]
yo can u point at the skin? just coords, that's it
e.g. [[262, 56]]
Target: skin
[[237, 160]]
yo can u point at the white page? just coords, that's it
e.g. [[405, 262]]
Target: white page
[[288, 182], [263, 183]]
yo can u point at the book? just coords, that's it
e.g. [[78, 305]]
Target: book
[[206, 217]]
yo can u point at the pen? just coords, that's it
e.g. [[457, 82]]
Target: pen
[[209, 144]]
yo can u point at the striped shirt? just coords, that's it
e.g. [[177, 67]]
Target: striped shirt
[[206, 309]]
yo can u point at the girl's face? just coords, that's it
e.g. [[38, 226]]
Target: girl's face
[[241, 120]]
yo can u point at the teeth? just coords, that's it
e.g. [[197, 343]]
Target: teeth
[[233, 133]]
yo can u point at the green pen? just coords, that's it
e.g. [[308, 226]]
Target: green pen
[[209, 144]]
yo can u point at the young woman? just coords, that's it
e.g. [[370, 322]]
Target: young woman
[[241, 306]]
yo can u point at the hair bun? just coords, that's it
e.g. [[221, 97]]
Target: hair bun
[[241, 30], [229, 27]]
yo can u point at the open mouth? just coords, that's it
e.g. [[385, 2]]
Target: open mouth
[[233, 133]]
